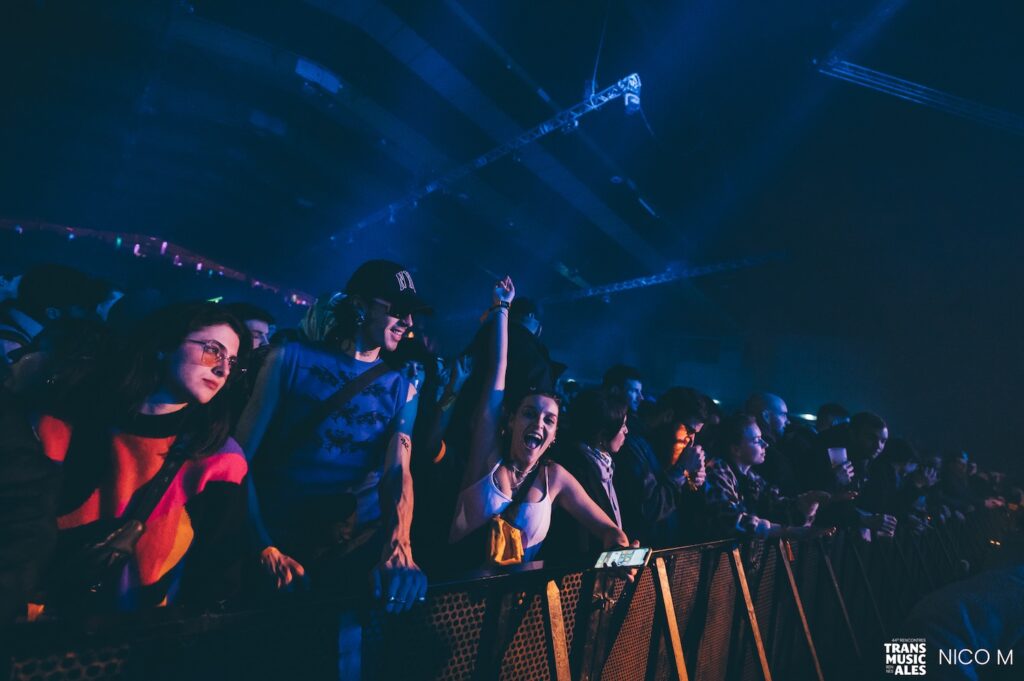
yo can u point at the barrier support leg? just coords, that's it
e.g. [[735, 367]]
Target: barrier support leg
[[675, 642], [839, 597], [741, 577], [784, 553], [556, 632], [867, 587]]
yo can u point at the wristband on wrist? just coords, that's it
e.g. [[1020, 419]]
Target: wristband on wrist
[[501, 304], [448, 401]]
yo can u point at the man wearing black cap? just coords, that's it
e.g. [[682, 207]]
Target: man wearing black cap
[[332, 491]]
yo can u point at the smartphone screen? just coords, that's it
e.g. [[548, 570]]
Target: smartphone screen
[[837, 455], [628, 558]]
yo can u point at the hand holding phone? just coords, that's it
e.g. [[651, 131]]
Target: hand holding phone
[[623, 558]]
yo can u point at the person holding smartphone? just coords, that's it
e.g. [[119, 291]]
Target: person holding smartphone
[[508, 451], [596, 432]]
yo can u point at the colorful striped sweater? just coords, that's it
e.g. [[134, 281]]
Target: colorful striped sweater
[[193, 538]]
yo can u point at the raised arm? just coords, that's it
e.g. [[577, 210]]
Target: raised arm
[[570, 496], [484, 445]]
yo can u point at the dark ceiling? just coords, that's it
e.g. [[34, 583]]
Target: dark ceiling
[[888, 225]]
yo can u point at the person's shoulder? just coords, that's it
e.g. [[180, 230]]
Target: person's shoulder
[[389, 381], [557, 474], [634, 442], [569, 456], [635, 459], [718, 468], [636, 448], [301, 348], [55, 435], [554, 468], [226, 464]]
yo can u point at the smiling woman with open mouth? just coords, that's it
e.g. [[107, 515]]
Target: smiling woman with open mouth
[[507, 473]]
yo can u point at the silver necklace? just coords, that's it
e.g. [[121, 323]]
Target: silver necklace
[[516, 473]]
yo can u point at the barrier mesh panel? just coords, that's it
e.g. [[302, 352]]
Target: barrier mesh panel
[[569, 589], [439, 641], [713, 656], [761, 578], [98, 663], [628, 658], [465, 631], [793, 655], [683, 575], [527, 655]]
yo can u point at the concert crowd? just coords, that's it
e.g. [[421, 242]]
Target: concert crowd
[[196, 455]]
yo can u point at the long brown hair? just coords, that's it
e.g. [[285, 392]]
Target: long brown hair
[[142, 370]]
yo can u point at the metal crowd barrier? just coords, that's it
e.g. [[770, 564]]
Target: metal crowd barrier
[[759, 610]]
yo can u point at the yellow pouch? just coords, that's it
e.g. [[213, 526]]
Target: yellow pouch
[[506, 543]]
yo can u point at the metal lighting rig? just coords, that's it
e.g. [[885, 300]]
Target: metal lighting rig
[[920, 94], [628, 88], [667, 277]]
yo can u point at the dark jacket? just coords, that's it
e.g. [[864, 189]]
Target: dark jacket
[[793, 463], [568, 542], [29, 483], [883, 492], [741, 504], [647, 495]]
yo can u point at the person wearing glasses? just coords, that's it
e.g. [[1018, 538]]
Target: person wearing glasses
[[166, 387], [334, 497], [739, 502]]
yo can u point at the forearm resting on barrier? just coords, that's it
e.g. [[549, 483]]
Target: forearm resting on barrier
[[396, 578]]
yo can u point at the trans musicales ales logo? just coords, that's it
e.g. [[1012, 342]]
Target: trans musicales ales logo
[[906, 657], [909, 657]]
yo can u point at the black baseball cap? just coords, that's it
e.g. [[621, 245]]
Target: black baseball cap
[[388, 281]]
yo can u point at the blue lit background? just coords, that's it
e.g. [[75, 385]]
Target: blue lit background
[[251, 133]]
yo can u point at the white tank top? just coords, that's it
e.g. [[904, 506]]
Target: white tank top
[[483, 500]]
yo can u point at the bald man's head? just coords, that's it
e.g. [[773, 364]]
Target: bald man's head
[[771, 414]]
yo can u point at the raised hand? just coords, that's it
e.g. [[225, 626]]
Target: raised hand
[[844, 473], [416, 373], [461, 370], [926, 477], [693, 460], [504, 291], [444, 375]]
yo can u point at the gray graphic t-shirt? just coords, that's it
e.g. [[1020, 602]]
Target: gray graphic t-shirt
[[346, 453]]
